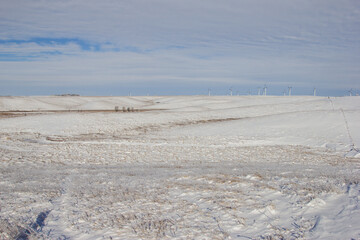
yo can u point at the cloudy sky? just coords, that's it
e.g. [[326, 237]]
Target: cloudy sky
[[159, 47]]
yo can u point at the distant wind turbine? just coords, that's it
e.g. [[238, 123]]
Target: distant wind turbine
[[265, 89]]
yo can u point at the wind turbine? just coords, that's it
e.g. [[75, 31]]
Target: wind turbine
[[265, 89], [314, 92], [259, 91], [290, 88], [350, 92], [209, 91], [230, 91]]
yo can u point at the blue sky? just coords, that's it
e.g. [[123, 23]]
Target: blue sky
[[166, 47]]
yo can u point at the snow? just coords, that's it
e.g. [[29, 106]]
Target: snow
[[189, 167]]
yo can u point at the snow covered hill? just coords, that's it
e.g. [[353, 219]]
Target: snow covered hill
[[311, 121], [177, 167]]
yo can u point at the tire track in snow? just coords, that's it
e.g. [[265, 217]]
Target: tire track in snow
[[352, 146], [57, 221]]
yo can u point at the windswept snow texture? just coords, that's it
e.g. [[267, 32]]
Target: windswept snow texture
[[199, 167]]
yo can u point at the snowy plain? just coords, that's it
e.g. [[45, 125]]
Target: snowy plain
[[180, 167]]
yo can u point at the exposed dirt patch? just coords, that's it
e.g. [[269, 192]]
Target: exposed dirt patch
[[18, 113]]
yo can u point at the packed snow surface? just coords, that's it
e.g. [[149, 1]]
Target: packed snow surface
[[184, 167]]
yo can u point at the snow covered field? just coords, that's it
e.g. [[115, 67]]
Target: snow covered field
[[194, 167]]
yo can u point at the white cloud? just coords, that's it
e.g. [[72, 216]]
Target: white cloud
[[124, 67], [148, 23]]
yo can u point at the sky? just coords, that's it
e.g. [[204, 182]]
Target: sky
[[179, 47]]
